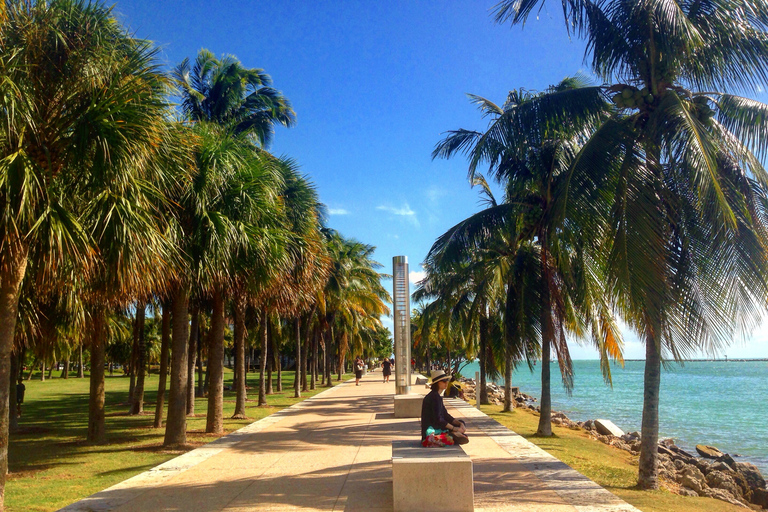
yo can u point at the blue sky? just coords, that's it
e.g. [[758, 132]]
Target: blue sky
[[374, 86]]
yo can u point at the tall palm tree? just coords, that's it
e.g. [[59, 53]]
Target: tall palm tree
[[82, 102], [674, 175], [532, 173]]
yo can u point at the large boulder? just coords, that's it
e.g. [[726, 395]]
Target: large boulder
[[692, 478], [722, 495], [719, 480], [709, 452], [760, 497], [607, 428], [684, 491], [751, 474]]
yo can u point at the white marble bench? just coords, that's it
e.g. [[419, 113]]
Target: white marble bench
[[425, 479], [408, 406]]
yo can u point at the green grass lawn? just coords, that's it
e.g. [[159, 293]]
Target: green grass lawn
[[610, 467], [52, 466]]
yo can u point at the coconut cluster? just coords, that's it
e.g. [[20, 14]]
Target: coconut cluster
[[632, 97]]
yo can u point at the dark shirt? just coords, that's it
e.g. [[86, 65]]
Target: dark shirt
[[20, 388], [433, 413], [386, 365]]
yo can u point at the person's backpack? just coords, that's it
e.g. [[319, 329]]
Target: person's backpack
[[359, 366]]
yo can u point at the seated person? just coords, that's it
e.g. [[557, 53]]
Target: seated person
[[435, 417], [454, 389]]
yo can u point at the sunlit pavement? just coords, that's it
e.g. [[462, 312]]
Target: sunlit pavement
[[333, 452]]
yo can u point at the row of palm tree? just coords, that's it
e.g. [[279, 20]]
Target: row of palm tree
[[113, 198], [643, 197]]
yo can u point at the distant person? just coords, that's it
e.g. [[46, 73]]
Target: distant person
[[359, 366], [437, 426], [20, 389], [386, 368]]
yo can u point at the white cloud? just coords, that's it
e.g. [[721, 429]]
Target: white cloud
[[337, 211], [416, 276], [405, 210]]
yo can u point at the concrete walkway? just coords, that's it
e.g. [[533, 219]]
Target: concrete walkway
[[333, 452]]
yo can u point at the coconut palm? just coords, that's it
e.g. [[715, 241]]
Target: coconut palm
[[533, 173], [682, 221]]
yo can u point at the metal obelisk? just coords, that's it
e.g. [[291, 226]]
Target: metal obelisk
[[401, 302]]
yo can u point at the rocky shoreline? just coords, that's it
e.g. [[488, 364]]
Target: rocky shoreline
[[713, 474]]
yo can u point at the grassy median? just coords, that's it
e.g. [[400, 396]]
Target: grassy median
[[612, 468], [51, 465]]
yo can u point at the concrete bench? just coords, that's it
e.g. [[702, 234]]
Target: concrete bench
[[408, 406], [426, 479]]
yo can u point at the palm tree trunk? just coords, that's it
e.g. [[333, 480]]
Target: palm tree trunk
[[324, 365], [299, 366], [279, 367], [50, 369], [65, 370], [547, 336], [176, 425], [508, 406], [328, 358], [215, 420], [11, 276], [270, 361], [12, 411], [80, 369], [315, 349], [137, 406], [165, 344], [263, 359], [200, 383], [132, 365], [482, 396], [649, 435], [240, 376], [96, 424], [42, 370], [194, 335]]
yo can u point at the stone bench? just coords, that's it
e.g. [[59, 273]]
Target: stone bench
[[408, 406], [426, 479]]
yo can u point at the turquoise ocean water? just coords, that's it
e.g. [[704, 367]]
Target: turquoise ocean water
[[724, 404]]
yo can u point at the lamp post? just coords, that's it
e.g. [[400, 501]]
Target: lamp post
[[402, 309]]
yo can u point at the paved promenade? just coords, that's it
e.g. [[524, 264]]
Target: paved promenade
[[333, 452]]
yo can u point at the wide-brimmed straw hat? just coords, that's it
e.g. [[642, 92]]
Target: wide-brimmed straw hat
[[439, 375]]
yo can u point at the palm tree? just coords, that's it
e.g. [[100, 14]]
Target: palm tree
[[354, 295], [82, 102], [224, 92], [678, 163], [533, 174]]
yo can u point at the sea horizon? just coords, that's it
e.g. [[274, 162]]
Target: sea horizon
[[702, 401]]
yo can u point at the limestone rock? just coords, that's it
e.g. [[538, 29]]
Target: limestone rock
[[760, 497], [693, 479], [722, 495], [720, 466], [607, 428], [685, 491], [751, 474], [709, 452], [719, 480]]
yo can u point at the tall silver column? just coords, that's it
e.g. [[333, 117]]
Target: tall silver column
[[402, 308]]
